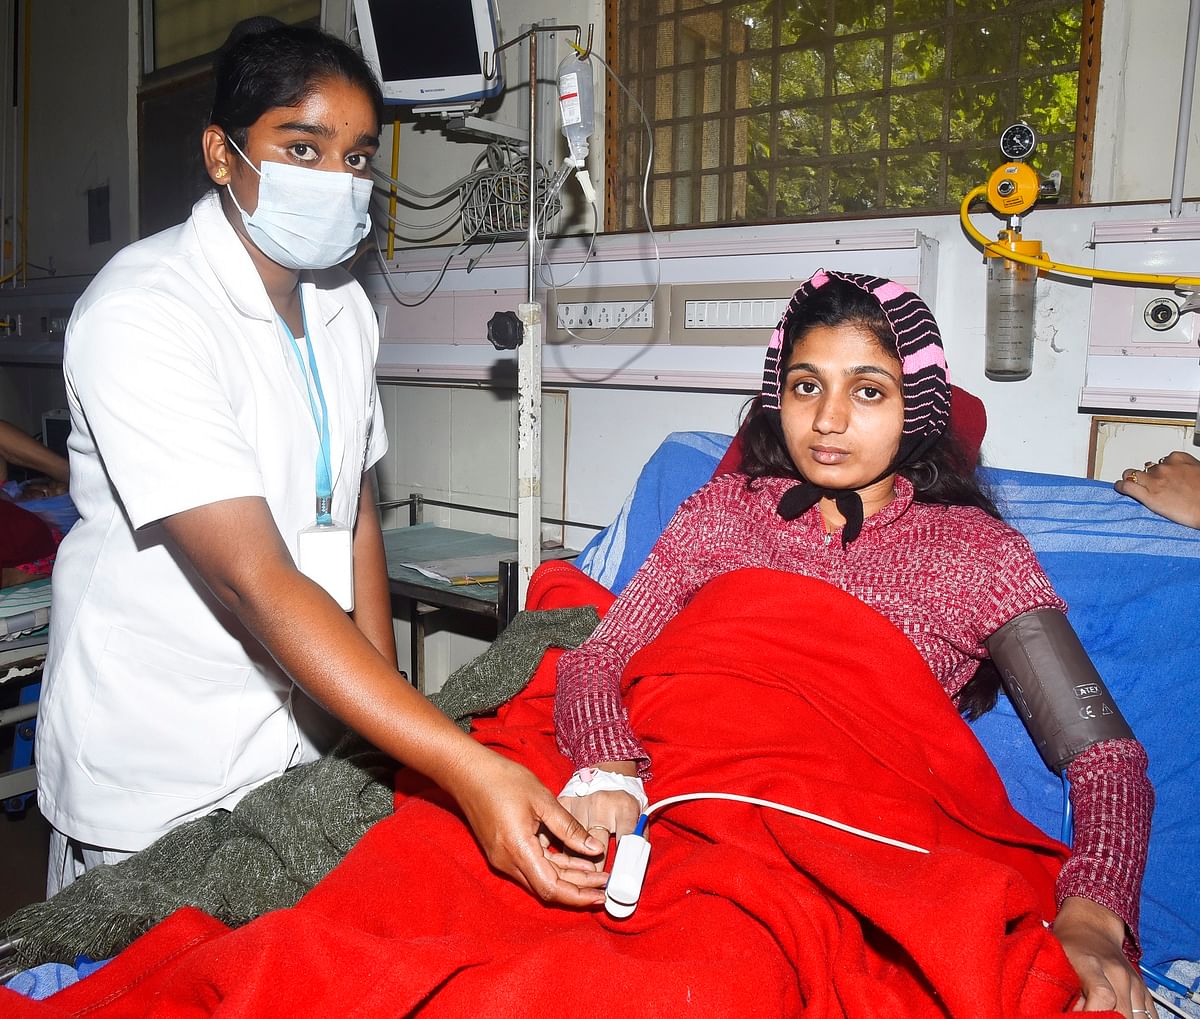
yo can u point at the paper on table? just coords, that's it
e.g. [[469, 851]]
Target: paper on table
[[478, 569]]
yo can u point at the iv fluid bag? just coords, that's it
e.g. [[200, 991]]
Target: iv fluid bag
[[1011, 292], [576, 105]]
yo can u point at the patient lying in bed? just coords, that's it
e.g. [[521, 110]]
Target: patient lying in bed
[[849, 475], [27, 541]]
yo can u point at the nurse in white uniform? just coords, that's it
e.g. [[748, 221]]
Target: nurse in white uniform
[[228, 559]]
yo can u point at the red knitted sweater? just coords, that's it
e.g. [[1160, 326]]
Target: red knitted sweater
[[947, 577]]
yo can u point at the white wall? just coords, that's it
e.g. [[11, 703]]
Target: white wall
[[79, 137], [1137, 104]]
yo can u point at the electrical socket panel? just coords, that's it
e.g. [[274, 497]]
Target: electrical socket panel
[[632, 314], [727, 314], [605, 315]]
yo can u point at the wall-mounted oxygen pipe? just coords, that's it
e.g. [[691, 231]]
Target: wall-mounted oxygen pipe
[[27, 9], [1185, 108], [391, 244], [1046, 264]]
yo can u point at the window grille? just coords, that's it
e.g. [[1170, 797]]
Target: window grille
[[770, 110], [179, 30]]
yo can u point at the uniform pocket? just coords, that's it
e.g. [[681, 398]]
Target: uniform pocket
[[161, 721]]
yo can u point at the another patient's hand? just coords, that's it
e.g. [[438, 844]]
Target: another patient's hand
[[1170, 488], [1092, 937]]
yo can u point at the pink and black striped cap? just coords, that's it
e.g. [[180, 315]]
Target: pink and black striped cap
[[926, 380]]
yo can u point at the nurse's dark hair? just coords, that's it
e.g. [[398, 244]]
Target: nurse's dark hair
[[266, 64], [943, 476]]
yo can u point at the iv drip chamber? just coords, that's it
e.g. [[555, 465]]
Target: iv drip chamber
[[1011, 302], [576, 105]]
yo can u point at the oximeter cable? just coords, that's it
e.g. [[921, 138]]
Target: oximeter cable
[[795, 811], [633, 851]]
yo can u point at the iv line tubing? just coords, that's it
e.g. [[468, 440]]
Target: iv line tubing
[[996, 248]]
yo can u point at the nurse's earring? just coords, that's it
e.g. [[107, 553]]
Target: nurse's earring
[[221, 172]]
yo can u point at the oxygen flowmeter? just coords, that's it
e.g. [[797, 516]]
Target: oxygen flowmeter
[[1013, 261], [1012, 190]]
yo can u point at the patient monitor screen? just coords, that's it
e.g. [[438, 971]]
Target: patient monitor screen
[[419, 39]]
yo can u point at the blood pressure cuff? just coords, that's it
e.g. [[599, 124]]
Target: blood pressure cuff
[[1054, 687]]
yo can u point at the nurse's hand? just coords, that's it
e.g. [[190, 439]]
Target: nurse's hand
[[507, 809]]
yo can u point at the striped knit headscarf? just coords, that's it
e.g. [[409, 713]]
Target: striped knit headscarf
[[925, 385]]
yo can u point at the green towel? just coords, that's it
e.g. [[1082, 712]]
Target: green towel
[[282, 837]]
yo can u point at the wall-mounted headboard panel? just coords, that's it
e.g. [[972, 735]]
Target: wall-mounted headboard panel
[[445, 337]]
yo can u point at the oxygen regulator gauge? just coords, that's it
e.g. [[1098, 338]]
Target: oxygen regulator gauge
[[1018, 142]]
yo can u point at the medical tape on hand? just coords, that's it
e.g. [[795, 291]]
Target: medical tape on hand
[[592, 780]]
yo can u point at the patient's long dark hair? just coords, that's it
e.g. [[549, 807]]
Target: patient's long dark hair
[[943, 475]]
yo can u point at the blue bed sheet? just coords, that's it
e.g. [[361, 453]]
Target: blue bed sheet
[[1132, 583]]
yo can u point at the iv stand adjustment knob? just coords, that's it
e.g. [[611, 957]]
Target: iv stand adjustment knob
[[504, 330]]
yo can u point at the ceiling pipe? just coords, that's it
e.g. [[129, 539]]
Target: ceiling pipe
[[1185, 108]]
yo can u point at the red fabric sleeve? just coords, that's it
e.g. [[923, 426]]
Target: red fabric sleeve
[[1111, 803]]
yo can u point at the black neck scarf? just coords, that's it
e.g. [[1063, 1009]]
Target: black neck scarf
[[799, 499]]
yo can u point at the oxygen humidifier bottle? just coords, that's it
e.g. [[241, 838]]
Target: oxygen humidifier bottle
[[576, 104], [1011, 294]]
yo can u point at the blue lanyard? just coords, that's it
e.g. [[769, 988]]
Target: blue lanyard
[[312, 380]]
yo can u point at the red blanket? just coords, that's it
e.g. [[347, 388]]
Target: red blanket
[[769, 685]]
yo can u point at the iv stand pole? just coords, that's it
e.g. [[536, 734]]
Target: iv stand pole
[[529, 353], [529, 377]]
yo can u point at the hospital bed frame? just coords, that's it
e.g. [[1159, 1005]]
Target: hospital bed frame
[[21, 662], [496, 601]]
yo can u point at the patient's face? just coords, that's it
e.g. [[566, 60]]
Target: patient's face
[[842, 407]]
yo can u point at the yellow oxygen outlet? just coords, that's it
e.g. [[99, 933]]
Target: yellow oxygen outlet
[[1013, 188]]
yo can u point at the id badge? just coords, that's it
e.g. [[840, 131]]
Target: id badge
[[327, 558]]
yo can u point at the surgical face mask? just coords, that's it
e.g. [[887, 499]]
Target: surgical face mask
[[306, 219]]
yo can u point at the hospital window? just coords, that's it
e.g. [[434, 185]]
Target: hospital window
[[784, 109], [175, 31]]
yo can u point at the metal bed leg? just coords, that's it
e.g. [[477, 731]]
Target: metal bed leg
[[417, 644], [507, 593]]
